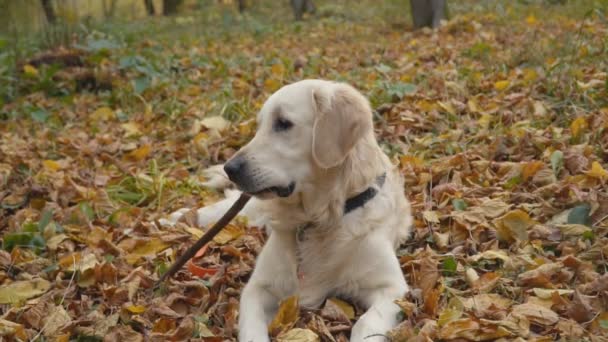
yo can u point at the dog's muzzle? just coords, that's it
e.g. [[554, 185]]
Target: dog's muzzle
[[239, 173]]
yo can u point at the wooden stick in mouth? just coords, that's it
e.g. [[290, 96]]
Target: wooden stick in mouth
[[208, 236]]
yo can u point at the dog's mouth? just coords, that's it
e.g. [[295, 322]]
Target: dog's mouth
[[281, 191]]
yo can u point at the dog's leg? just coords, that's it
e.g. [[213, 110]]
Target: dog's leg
[[379, 293], [273, 279]]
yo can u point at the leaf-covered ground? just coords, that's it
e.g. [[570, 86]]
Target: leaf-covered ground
[[498, 121]]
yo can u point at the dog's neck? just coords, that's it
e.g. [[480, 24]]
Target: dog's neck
[[322, 202]]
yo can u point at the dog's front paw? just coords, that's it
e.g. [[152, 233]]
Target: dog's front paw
[[365, 332]]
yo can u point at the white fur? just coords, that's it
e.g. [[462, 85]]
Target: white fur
[[350, 255]]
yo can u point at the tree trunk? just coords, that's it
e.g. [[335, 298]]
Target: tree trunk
[[150, 7], [170, 6], [242, 5], [302, 6], [428, 12], [108, 11], [49, 11]]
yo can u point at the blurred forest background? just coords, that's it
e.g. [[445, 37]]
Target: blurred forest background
[[497, 116]]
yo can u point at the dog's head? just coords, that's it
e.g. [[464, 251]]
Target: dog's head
[[303, 128]]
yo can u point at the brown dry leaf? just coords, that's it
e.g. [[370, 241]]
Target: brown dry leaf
[[286, 316], [580, 308], [11, 330], [540, 276], [57, 318], [548, 293], [513, 226], [535, 313], [431, 302], [428, 274], [471, 330], [486, 302]]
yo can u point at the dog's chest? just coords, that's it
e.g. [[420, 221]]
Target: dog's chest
[[322, 261]]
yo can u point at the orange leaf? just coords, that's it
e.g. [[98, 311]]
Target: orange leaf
[[531, 168], [140, 153], [200, 272]]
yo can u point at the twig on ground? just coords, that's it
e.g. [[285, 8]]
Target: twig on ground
[[207, 237]]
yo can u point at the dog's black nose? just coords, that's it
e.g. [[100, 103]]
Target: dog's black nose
[[234, 168]]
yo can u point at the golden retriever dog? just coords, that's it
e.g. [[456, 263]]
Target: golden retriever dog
[[333, 202]]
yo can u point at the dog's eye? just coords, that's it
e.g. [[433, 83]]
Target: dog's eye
[[281, 124]]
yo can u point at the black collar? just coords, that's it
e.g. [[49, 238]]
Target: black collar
[[359, 200]]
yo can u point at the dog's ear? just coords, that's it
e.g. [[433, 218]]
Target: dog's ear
[[343, 116]]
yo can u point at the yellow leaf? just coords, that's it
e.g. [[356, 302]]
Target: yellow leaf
[[501, 85], [51, 165], [447, 107], [148, 248], [271, 85], [411, 161], [278, 70], [216, 122], [136, 309], [298, 335], [448, 315], [18, 291], [530, 169], [102, 113], [131, 129], [597, 171], [530, 75], [578, 126], [513, 226], [348, 309], [531, 20], [430, 216], [30, 70], [69, 260], [426, 106], [473, 106], [229, 233], [286, 316], [140, 153], [484, 120], [246, 128]]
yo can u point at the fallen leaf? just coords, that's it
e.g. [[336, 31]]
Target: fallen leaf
[[229, 233], [10, 329], [513, 226], [285, 317], [216, 122], [502, 85], [348, 309], [578, 126], [597, 171], [19, 291], [535, 313], [147, 248], [298, 335], [548, 293]]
